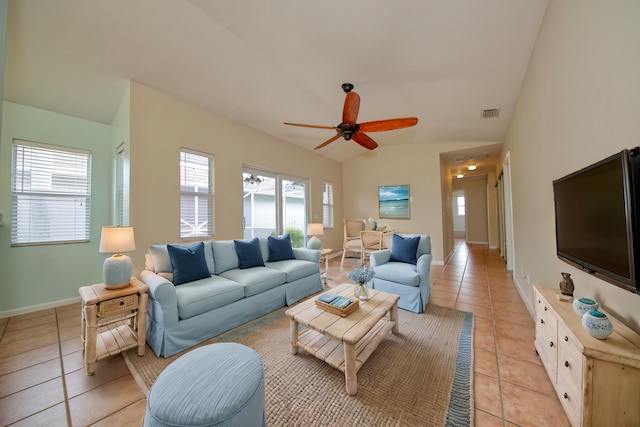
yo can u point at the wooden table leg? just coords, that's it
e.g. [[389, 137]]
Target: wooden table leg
[[293, 330], [141, 323], [91, 319], [393, 316], [350, 375]]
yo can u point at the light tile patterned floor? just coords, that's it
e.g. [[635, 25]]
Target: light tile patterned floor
[[42, 381]]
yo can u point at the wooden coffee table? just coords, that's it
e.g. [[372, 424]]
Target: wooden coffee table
[[344, 342]]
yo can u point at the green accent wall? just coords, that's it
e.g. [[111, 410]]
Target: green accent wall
[[34, 276]]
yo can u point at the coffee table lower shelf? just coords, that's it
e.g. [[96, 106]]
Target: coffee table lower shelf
[[333, 351]]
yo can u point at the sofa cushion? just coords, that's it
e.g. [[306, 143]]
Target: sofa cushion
[[404, 249], [256, 279], [280, 248], [295, 269], [249, 254], [398, 272], [207, 294], [160, 258], [188, 262], [161, 263], [224, 255]]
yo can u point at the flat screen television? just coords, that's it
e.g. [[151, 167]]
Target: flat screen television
[[596, 219]]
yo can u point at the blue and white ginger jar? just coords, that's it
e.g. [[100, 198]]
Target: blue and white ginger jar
[[597, 324]]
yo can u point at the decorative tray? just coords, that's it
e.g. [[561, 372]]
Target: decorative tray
[[340, 311]]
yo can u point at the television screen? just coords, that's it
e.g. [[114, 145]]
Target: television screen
[[594, 229]]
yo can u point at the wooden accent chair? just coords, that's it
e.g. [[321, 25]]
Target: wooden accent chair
[[352, 242], [371, 242]]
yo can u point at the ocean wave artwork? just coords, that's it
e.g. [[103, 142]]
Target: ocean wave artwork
[[394, 201]]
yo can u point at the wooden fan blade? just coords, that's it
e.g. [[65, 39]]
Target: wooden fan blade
[[312, 126], [327, 142], [390, 124], [364, 140], [351, 108]]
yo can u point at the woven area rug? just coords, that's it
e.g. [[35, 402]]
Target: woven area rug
[[421, 377]]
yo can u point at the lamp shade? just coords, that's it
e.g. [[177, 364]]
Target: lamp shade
[[117, 239], [116, 271], [315, 229]]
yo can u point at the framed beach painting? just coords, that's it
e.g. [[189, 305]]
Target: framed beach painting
[[393, 201]]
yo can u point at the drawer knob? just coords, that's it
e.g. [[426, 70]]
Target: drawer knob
[[566, 396], [566, 338], [551, 344], [542, 321], [545, 309], [121, 302], [566, 363]]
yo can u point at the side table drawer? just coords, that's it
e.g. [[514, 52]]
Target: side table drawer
[[118, 305]]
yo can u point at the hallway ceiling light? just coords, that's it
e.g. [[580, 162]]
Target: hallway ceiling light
[[472, 167], [460, 175]]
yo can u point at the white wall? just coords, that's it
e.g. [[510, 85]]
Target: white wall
[[580, 102]]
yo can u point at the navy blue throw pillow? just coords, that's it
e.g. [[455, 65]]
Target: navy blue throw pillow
[[280, 248], [404, 249], [249, 253], [188, 263]]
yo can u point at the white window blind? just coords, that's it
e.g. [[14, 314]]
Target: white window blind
[[196, 194], [327, 205], [50, 194]]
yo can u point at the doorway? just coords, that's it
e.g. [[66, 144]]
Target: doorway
[[459, 210]]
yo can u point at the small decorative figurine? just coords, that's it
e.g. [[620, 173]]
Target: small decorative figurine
[[566, 286]]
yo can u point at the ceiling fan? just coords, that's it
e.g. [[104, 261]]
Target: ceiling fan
[[349, 129]]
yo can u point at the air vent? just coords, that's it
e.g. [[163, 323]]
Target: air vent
[[490, 113]]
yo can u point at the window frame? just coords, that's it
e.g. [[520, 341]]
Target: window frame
[[209, 195], [51, 214], [328, 206]]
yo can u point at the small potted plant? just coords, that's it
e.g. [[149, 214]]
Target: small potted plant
[[361, 276]]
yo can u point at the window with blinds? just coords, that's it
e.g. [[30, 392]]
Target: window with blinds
[[196, 194], [50, 194], [327, 205]]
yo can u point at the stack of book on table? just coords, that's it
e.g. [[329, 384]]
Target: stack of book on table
[[337, 304]]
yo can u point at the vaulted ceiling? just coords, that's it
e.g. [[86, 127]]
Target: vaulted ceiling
[[262, 63]]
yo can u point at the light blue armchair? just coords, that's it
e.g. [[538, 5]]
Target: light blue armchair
[[396, 272]]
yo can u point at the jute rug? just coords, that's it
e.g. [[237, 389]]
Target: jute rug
[[421, 377]]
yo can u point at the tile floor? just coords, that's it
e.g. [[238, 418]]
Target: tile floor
[[42, 380]]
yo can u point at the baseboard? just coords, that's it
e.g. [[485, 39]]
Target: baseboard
[[39, 307]]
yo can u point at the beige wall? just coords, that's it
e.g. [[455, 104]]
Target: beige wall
[[161, 124], [417, 165], [580, 102], [475, 191]]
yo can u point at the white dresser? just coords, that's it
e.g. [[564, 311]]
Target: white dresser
[[597, 381]]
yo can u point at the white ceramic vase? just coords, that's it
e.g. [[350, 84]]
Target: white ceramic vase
[[597, 324]]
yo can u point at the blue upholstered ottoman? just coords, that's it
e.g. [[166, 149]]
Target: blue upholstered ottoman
[[216, 385]]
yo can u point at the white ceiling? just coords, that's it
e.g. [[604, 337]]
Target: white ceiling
[[265, 62]]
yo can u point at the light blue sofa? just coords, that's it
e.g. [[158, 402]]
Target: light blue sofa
[[410, 281], [179, 317]]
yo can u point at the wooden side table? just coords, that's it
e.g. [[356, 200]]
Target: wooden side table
[[325, 256], [121, 316]]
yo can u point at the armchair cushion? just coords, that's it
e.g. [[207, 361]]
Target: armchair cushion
[[249, 254], [188, 262], [280, 248], [404, 249]]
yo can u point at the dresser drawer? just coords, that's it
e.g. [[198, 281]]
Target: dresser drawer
[[118, 305], [570, 359], [570, 397]]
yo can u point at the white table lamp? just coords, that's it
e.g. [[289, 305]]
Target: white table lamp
[[116, 271], [313, 230]]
